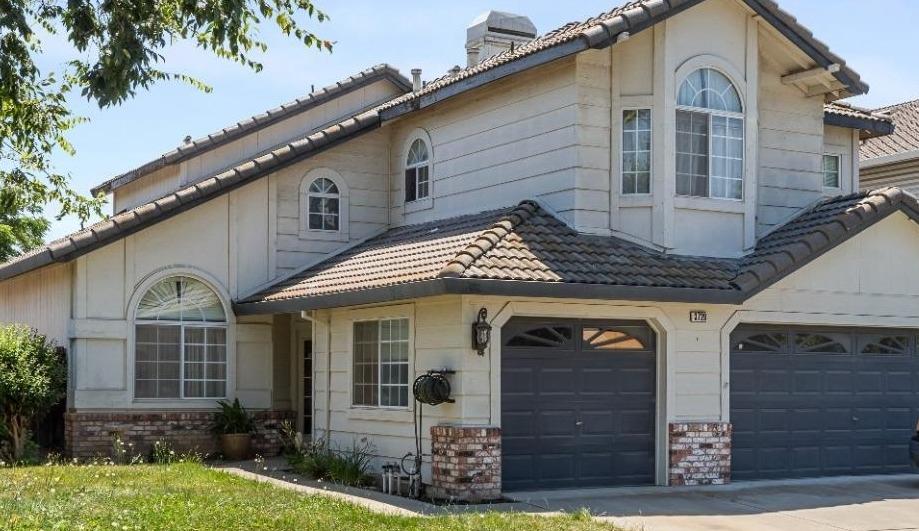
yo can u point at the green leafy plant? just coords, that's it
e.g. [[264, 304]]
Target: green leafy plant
[[232, 418], [347, 467], [162, 453], [33, 378]]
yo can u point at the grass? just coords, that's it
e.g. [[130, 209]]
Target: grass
[[191, 496]]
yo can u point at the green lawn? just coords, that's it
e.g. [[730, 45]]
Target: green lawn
[[191, 496]]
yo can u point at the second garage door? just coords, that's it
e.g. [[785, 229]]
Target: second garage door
[[819, 402], [577, 404]]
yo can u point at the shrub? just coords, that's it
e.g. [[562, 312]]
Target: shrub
[[33, 378], [347, 467], [232, 418]]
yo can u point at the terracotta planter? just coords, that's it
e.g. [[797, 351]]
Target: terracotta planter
[[235, 446]]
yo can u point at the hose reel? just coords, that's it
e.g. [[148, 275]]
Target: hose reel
[[433, 388]]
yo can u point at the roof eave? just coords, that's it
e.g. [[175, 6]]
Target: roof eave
[[868, 127], [507, 288]]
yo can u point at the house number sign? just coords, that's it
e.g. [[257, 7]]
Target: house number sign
[[698, 316]]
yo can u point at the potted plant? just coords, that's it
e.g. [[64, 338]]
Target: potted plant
[[234, 425]]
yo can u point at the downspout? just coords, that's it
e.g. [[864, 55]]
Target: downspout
[[307, 315]]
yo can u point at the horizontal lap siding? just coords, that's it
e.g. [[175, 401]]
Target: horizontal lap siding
[[518, 139]]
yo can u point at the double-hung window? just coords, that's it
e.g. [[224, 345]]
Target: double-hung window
[[709, 137], [380, 363], [636, 151], [180, 342]]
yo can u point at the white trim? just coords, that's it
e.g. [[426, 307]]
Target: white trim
[[654, 316], [377, 314], [622, 110], [419, 203], [230, 324], [344, 200]]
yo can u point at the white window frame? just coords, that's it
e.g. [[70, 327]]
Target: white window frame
[[227, 324], [419, 203], [408, 363], [323, 195], [622, 171], [714, 112], [838, 157], [303, 206]]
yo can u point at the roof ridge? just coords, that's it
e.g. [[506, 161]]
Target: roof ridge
[[895, 105], [488, 239]]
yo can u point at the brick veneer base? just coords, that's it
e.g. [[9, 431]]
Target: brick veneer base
[[466, 463], [700, 453], [91, 434]]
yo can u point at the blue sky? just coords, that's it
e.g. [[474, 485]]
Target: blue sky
[[878, 38]]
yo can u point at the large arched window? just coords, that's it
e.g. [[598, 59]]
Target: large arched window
[[417, 171], [323, 200], [709, 137], [180, 342]]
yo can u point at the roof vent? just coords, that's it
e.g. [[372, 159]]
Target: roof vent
[[416, 79], [494, 32]]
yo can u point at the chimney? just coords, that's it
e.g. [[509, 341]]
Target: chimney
[[416, 79], [493, 32]]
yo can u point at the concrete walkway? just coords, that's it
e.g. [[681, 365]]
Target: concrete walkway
[[877, 503], [872, 503]]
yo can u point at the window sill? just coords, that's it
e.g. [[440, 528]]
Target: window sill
[[734, 206], [418, 205], [324, 235], [177, 403], [380, 414], [636, 200]]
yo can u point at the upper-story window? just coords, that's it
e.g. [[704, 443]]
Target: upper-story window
[[709, 137], [417, 171], [831, 171], [324, 205], [636, 151], [180, 338]]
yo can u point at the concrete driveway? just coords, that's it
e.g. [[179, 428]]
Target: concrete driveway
[[852, 504]]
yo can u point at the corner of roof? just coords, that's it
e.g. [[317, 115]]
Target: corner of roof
[[488, 238]]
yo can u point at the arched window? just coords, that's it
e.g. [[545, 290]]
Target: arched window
[[324, 205], [417, 171], [180, 346], [709, 137]]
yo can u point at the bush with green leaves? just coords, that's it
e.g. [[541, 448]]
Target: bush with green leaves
[[318, 460], [232, 418], [33, 378]]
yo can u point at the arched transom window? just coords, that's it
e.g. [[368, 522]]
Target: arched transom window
[[180, 341], [709, 137], [324, 200], [417, 171]]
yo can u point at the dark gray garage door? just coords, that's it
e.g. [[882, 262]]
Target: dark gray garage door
[[577, 404], [822, 402]]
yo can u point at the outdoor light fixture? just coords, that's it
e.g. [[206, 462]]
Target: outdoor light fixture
[[481, 332]]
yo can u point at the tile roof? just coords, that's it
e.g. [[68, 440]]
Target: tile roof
[[871, 124], [905, 138], [604, 29], [259, 121], [596, 32], [527, 250]]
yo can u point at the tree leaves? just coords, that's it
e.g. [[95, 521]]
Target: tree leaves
[[121, 45]]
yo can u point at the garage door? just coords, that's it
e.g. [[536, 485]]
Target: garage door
[[577, 404], [822, 402]]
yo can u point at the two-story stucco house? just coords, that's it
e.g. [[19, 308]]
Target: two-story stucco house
[[680, 288]]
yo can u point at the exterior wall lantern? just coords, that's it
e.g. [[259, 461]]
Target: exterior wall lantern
[[481, 332]]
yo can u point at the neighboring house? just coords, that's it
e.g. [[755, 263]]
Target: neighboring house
[[679, 290], [893, 160]]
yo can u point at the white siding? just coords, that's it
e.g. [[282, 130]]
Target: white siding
[[40, 299]]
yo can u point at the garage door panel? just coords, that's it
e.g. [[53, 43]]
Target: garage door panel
[[591, 404], [843, 411]]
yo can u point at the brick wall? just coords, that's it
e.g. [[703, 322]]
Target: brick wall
[[91, 434], [700, 453], [466, 463]]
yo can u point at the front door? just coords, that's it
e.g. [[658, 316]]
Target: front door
[[577, 404]]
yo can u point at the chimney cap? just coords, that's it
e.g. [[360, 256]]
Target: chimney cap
[[500, 22]]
